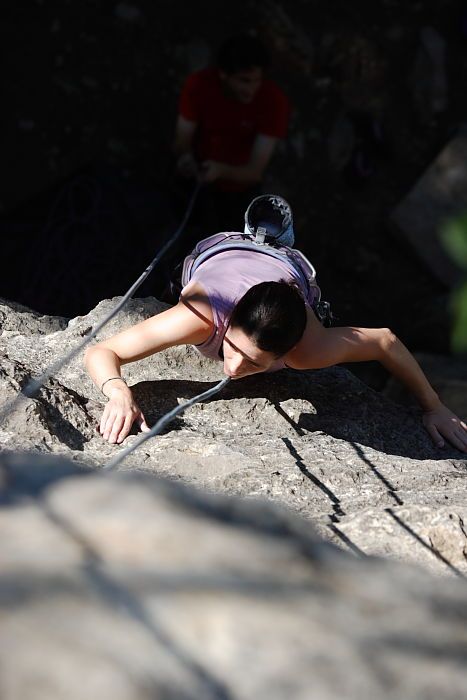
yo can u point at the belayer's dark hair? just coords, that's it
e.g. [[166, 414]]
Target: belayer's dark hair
[[272, 315], [240, 53]]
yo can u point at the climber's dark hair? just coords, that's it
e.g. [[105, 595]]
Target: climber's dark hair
[[272, 315], [241, 52]]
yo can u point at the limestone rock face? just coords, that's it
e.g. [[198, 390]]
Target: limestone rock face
[[16, 319], [151, 582], [358, 466], [128, 586]]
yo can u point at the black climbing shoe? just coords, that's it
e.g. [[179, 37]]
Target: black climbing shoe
[[269, 218]]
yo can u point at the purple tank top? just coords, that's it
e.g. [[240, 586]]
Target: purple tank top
[[226, 277]]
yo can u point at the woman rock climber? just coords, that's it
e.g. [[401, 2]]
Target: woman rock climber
[[255, 307]]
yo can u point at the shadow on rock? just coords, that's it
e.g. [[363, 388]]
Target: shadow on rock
[[340, 405], [66, 415], [24, 473]]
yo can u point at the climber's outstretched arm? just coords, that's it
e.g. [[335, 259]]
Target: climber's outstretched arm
[[323, 347], [176, 326]]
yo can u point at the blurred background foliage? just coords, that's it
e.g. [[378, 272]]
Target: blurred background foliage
[[454, 237]]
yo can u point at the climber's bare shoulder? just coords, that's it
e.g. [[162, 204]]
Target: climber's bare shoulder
[[324, 347]]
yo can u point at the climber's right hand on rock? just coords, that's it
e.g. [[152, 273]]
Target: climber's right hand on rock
[[119, 415]]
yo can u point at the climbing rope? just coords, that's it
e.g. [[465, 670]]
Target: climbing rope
[[34, 385], [162, 422]]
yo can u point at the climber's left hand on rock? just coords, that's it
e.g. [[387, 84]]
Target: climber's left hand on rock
[[442, 423]]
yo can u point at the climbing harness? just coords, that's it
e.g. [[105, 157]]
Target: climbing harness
[[220, 242], [268, 223]]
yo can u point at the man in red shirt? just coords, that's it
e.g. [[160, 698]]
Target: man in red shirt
[[230, 119]]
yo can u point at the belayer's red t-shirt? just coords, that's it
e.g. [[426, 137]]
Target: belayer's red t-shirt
[[227, 128]]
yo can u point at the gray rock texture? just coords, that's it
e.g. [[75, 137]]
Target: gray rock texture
[[16, 319], [361, 468], [154, 582], [127, 586]]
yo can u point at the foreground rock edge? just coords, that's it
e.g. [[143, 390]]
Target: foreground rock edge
[[160, 590]]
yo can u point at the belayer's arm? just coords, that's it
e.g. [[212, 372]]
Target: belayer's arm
[[324, 347], [183, 147], [176, 326], [249, 174]]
